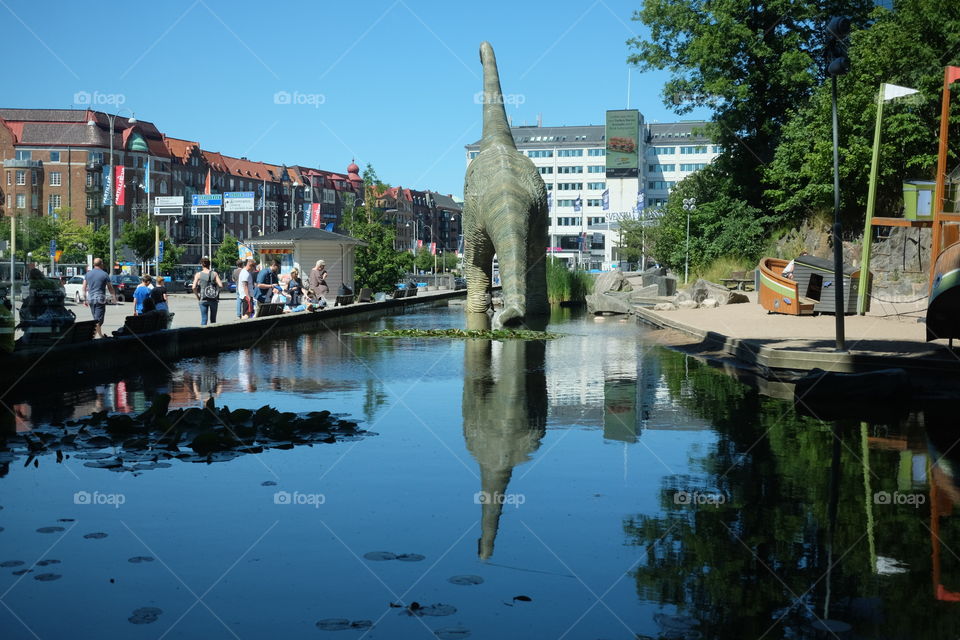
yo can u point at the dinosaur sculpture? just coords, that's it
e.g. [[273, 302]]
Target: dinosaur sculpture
[[504, 417], [504, 213]]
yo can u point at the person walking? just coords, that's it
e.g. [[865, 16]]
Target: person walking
[[245, 292], [206, 286], [96, 284], [142, 301], [159, 295], [241, 265], [266, 280], [318, 279]]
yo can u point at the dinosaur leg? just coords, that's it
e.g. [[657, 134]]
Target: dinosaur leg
[[512, 254], [478, 265]]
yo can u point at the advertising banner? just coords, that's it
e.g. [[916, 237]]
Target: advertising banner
[[107, 184], [315, 215], [121, 192], [623, 143]]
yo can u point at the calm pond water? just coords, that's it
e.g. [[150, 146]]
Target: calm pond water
[[593, 486]]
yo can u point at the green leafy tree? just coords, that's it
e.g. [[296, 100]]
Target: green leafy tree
[[424, 260], [171, 256], [140, 237], [225, 259], [377, 265], [908, 47], [750, 62]]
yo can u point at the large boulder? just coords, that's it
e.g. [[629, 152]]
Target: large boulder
[[703, 289], [611, 281], [611, 302]]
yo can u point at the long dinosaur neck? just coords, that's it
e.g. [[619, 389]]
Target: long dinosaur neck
[[495, 127]]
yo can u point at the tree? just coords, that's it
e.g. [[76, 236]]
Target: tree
[[423, 260], [225, 259], [171, 256], [140, 237], [906, 47], [371, 179], [377, 265], [750, 62]]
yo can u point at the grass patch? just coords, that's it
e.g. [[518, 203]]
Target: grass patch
[[564, 285], [722, 268], [483, 334]]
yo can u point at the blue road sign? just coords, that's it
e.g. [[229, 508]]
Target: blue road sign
[[207, 200], [53, 247], [160, 252]]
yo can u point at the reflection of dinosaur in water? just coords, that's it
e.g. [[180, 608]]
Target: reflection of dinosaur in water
[[504, 415]]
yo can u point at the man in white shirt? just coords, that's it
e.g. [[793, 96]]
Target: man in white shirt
[[245, 289]]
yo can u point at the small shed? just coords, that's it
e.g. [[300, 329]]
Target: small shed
[[302, 247], [814, 277]]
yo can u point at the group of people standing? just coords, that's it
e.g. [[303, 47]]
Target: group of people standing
[[259, 284]]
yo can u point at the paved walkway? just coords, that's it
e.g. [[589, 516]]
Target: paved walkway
[[777, 341]]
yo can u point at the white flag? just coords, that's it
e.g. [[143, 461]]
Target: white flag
[[891, 91]]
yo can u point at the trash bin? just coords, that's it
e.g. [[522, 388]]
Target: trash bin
[[918, 199]]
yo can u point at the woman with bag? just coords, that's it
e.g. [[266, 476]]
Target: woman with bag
[[206, 286]]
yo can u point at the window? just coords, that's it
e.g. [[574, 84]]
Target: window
[[570, 186], [663, 151], [597, 185], [597, 220], [570, 153], [33, 176], [24, 155], [569, 169], [95, 156], [660, 184], [545, 169], [659, 168], [692, 150], [8, 178], [717, 149], [594, 202], [21, 177], [54, 156], [90, 182], [657, 202], [53, 203], [90, 203], [474, 154], [596, 152], [549, 186], [565, 203], [55, 179], [569, 221], [540, 153], [21, 200], [34, 200], [596, 168], [693, 166]]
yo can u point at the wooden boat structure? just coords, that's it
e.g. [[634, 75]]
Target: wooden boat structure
[[809, 291]]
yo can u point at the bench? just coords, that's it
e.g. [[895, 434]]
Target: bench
[[144, 323], [343, 301], [268, 309], [366, 295], [398, 293], [738, 281], [80, 332]]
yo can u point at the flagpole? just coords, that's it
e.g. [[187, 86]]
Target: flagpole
[[871, 204]]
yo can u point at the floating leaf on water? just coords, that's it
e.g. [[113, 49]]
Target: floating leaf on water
[[139, 559], [21, 572], [47, 577], [466, 580], [522, 599], [103, 464], [6, 564], [378, 556], [361, 624], [65, 520], [436, 610], [50, 529], [410, 557], [97, 535], [268, 483], [145, 615], [452, 633], [44, 563]]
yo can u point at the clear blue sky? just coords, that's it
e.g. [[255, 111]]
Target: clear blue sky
[[387, 82]]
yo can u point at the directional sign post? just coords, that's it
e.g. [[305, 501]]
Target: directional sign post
[[238, 201], [168, 206]]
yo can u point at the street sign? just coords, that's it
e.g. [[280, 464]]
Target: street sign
[[238, 201], [168, 211], [53, 247], [160, 252], [168, 201], [205, 210], [207, 200]]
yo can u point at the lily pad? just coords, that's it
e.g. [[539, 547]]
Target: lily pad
[[333, 624], [410, 557], [435, 610], [452, 633], [379, 556], [44, 563], [139, 559], [50, 529], [145, 615], [97, 535], [21, 572], [47, 577], [6, 564], [465, 580]]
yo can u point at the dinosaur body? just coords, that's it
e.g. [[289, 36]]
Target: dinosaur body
[[504, 213]]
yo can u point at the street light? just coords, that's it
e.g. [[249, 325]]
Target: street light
[[113, 177], [284, 185], [689, 204], [837, 64]]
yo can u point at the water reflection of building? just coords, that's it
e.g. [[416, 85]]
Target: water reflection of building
[[504, 418]]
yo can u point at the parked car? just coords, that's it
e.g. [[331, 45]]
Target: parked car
[[459, 283], [73, 287], [124, 285]]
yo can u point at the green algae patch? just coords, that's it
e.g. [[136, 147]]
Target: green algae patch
[[482, 334]]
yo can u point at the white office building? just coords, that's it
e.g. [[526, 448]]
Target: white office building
[[586, 205]]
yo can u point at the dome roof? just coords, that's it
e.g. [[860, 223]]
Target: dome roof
[[353, 168]]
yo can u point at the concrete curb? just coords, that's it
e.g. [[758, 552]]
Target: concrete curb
[[47, 364], [755, 353]]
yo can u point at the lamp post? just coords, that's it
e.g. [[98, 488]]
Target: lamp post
[[689, 204], [284, 185], [113, 177]]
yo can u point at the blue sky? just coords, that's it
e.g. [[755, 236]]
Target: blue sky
[[390, 82]]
